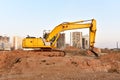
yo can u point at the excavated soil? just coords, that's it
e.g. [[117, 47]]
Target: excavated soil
[[27, 65]]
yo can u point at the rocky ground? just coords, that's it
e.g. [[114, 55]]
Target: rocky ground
[[27, 65]]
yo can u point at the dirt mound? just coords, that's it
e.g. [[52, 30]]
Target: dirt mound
[[71, 48], [26, 65], [112, 59]]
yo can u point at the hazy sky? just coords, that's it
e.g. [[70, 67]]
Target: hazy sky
[[23, 17]]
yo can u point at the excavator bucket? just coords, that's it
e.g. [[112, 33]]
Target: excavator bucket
[[96, 54]]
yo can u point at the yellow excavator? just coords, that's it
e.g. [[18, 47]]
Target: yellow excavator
[[49, 40]]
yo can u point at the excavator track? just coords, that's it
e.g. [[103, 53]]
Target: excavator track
[[50, 52]]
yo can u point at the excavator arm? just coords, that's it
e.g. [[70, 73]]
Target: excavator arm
[[75, 25], [91, 24]]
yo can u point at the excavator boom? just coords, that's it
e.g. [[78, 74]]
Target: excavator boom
[[75, 25]]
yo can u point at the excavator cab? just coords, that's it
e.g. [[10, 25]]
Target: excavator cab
[[46, 33]]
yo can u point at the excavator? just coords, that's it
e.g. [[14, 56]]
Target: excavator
[[48, 42]]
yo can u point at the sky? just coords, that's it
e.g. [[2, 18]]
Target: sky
[[31, 17]]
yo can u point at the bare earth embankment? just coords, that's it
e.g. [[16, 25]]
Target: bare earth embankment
[[27, 65]]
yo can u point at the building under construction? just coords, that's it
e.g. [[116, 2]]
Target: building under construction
[[61, 41], [17, 42], [5, 43], [79, 41], [85, 42], [76, 40]]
